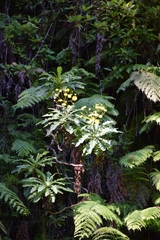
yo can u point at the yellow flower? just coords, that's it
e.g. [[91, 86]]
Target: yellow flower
[[100, 116], [95, 114], [74, 98], [91, 119], [69, 106], [63, 104], [96, 121], [66, 90], [65, 94], [69, 95]]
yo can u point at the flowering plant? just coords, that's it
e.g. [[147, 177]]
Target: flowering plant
[[88, 125]]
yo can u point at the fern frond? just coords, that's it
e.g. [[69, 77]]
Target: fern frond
[[3, 20], [136, 67], [140, 195], [124, 209], [22, 148], [109, 233], [7, 158], [31, 96], [128, 83], [153, 118], [141, 218], [157, 201], [155, 177], [2, 227], [149, 83], [156, 156], [13, 200], [137, 158], [89, 216], [137, 186]]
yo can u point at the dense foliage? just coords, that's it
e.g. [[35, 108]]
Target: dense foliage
[[79, 115]]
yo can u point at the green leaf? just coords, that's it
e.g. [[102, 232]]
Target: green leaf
[[40, 188], [22, 148], [109, 233], [155, 177], [139, 219], [13, 200], [137, 158], [89, 216]]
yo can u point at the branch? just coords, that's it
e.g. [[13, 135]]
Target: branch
[[65, 163]]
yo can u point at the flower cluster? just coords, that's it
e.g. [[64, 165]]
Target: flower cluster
[[64, 98], [93, 115]]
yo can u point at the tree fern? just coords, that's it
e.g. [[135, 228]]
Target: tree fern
[[89, 215], [22, 148], [109, 233], [13, 200], [137, 158], [142, 218]]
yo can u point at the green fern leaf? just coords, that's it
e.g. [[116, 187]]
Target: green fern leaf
[[149, 83], [137, 158], [134, 221], [129, 82], [109, 233], [2, 227], [31, 96], [141, 218], [153, 118], [89, 216], [135, 67], [155, 177], [22, 148], [3, 20], [13, 200], [156, 156], [157, 201]]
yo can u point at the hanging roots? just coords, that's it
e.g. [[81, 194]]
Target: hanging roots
[[78, 168]]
